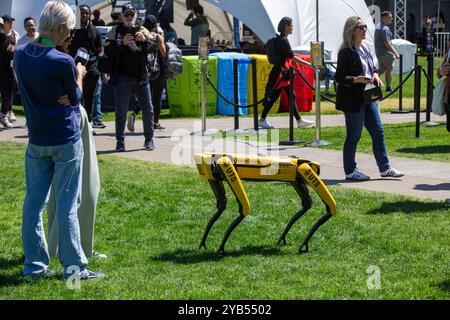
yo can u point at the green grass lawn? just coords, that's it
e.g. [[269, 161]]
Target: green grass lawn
[[151, 218], [433, 144]]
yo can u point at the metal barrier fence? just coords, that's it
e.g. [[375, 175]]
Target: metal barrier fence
[[442, 41]]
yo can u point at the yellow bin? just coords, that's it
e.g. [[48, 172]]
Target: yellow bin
[[263, 68]]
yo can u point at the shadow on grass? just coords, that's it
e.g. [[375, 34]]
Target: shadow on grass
[[431, 187], [6, 264], [183, 256], [444, 286], [409, 206], [440, 149], [7, 280], [11, 280]]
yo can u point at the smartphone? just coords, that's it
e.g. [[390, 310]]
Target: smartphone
[[133, 30]]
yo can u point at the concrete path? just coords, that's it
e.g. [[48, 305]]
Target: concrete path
[[175, 145]]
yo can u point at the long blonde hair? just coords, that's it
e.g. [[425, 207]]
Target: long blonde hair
[[349, 28]]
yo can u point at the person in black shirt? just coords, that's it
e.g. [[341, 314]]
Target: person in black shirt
[[129, 45], [156, 85], [285, 28], [8, 40], [97, 21], [88, 37]]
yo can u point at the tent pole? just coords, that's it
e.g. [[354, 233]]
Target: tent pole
[[421, 14], [317, 20], [437, 17]]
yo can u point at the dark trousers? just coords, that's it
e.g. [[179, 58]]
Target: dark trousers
[[157, 87], [447, 111], [272, 94], [90, 83], [122, 93], [7, 92]]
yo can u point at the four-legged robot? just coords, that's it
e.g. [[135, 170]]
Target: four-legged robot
[[234, 168]]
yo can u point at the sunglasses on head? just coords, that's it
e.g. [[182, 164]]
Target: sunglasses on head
[[362, 27]]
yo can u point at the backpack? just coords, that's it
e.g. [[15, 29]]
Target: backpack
[[272, 51], [174, 61], [153, 67]]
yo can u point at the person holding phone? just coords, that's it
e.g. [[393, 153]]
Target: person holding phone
[[130, 44], [50, 85], [199, 24], [89, 38], [356, 69]]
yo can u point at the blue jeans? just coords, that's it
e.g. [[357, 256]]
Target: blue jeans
[[368, 117], [42, 164], [97, 100], [122, 93]]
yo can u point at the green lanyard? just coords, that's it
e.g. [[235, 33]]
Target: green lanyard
[[45, 41]]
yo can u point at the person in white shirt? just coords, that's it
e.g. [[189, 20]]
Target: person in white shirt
[[31, 35]]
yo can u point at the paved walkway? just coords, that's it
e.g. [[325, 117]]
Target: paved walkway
[[423, 179]]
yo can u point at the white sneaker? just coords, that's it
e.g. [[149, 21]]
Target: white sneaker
[[263, 123], [4, 121], [357, 176], [130, 122], [12, 117], [301, 123], [391, 172]]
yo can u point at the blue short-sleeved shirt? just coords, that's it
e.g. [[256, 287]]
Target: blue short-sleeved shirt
[[44, 75], [382, 35]]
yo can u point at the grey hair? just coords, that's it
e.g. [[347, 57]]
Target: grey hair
[[55, 14], [349, 28]]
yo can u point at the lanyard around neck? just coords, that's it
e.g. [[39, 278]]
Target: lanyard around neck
[[45, 41]]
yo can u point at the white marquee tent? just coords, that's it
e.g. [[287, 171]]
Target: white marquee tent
[[262, 16]]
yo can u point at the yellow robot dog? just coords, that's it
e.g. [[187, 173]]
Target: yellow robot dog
[[234, 168]]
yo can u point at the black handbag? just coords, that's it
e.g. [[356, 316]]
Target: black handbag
[[372, 94]]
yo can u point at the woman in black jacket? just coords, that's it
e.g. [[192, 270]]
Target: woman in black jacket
[[355, 70], [284, 52]]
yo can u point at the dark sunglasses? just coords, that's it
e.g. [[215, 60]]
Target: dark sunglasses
[[130, 14], [361, 27]]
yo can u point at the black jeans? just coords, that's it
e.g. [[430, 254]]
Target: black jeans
[[156, 88], [123, 89], [7, 92], [90, 83], [447, 111], [272, 94]]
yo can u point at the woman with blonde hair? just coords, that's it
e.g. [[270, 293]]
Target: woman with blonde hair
[[356, 70]]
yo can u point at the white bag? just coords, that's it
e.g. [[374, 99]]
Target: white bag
[[437, 106]]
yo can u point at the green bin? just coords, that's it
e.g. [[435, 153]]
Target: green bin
[[184, 91]]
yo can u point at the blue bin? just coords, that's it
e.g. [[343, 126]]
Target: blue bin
[[225, 81]]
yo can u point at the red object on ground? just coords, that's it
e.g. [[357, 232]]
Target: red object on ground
[[303, 93]]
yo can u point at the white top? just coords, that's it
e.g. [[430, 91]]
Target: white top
[[365, 58], [26, 39]]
